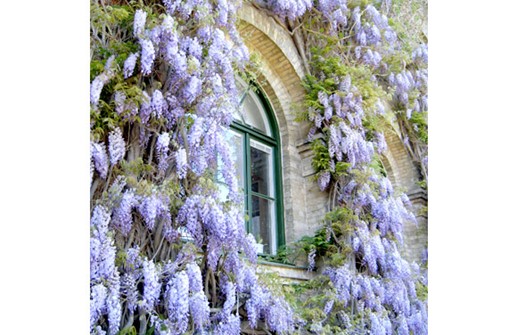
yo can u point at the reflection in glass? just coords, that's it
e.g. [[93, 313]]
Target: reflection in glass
[[262, 226], [261, 168], [237, 150], [236, 146], [251, 112]]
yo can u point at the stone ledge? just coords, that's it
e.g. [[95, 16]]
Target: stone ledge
[[292, 273]]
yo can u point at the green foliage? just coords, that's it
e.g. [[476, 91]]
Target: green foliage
[[422, 184], [321, 160], [419, 125], [319, 242], [378, 167], [409, 19], [130, 330], [308, 298], [284, 255]]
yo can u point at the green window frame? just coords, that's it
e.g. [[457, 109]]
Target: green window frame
[[261, 173]]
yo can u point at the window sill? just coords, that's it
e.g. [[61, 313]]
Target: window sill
[[289, 272]]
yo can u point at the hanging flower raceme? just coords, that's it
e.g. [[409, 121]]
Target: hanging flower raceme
[[290, 9], [129, 65], [117, 147], [162, 150], [100, 158]]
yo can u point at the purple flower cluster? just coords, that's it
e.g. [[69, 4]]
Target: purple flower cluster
[[129, 65], [177, 295], [162, 150], [290, 9], [406, 83], [385, 300], [205, 216], [96, 88], [100, 158], [152, 285], [158, 104], [102, 79], [129, 290], [139, 22], [147, 57], [278, 315], [117, 146], [152, 207], [104, 277], [122, 217], [181, 163]]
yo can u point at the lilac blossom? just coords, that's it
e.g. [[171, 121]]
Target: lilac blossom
[[177, 294], [152, 207], [98, 295], [158, 104], [181, 163], [102, 269], [122, 214], [192, 89], [279, 316], [199, 309], [287, 8], [96, 88], [117, 146], [230, 300], [194, 277], [341, 278], [100, 158], [230, 326], [162, 150], [222, 12], [382, 146], [92, 169], [148, 56], [152, 286], [129, 290], [113, 304], [145, 108], [109, 67], [129, 65], [258, 301], [249, 248], [376, 327], [139, 22], [328, 307]]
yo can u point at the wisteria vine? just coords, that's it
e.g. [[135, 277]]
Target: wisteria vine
[[364, 80], [168, 254]]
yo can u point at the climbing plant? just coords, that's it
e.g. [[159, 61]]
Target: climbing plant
[[168, 252]]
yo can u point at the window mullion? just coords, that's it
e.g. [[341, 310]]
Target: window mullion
[[263, 196], [247, 182]]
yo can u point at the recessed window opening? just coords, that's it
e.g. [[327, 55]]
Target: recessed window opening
[[255, 142]]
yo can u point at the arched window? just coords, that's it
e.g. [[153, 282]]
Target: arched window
[[254, 135]]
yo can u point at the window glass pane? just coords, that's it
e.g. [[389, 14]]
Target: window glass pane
[[251, 111], [261, 161], [254, 114], [237, 149], [236, 146], [262, 223]]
